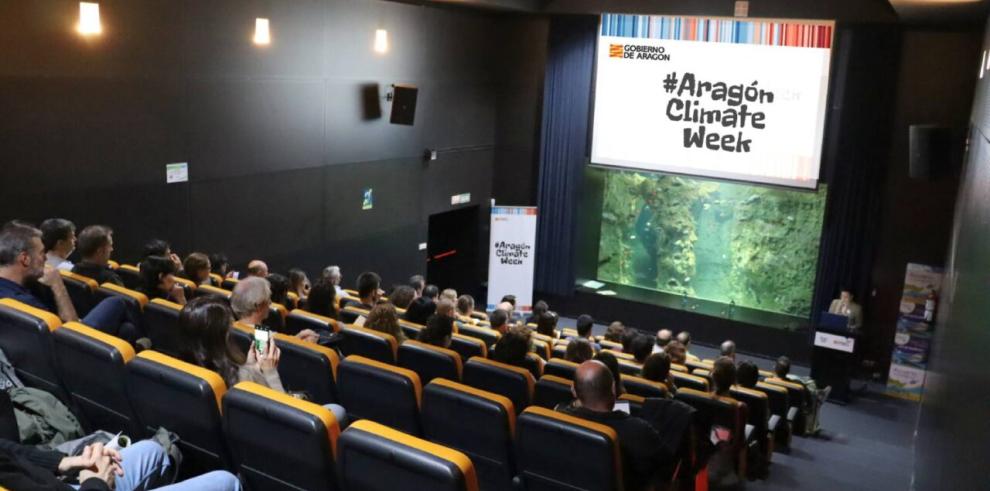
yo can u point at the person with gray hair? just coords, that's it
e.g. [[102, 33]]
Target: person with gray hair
[[25, 277], [333, 274], [728, 349], [251, 302]]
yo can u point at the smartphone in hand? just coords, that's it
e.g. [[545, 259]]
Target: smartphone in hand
[[261, 338]]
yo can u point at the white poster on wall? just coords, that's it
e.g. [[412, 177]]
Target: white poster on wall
[[512, 255]]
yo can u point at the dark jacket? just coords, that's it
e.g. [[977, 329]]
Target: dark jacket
[[99, 272], [27, 468]]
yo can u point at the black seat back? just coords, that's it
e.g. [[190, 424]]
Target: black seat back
[[130, 275], [161, 323], [82, 291], [26, 339], [510, 381], [487, 335], [390, 395], [374, 457], [468, 347], [543, 435], [643, 387], [351, 312], [690, 381], [552, 390], [429, 361], [261, 424], [560, 367], [478, 423], [369, 343], [298, 319], [133, 299], [93, 368]]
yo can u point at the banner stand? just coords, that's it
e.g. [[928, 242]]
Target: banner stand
[[512, 256]]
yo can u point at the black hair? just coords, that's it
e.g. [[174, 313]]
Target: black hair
[[431, 291], [584, 324], [280, 288], [546, 323], [656, 367], [498, 318], [152, 270], [783, 367], [322, 299], [54, 230], [642, 346], [420, 310], [747, 374], [156, 247], [438, 327], [368, 283]]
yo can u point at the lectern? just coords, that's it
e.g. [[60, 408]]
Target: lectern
[[833, 355]]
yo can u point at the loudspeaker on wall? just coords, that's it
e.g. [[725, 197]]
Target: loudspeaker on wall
[[403, 104]]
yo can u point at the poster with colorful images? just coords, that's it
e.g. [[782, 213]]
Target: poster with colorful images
[[912, 341]]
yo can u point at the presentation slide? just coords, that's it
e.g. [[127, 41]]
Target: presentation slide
[[723, 98]]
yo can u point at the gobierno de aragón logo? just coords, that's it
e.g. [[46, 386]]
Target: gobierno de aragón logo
[[638, 52]]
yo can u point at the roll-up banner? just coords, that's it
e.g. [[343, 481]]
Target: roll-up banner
[[512, 255]]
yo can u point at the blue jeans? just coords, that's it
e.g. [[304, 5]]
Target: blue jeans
[[145, 465], [112, 317]]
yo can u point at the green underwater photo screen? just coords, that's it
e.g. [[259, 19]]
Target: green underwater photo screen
[[752, 245]]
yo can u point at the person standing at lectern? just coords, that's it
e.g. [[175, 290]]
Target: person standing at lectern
[[844, 305]]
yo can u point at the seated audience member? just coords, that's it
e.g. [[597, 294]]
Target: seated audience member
[[95, 245], [140, 466], [333, 274], [511, 299], [420, 310], [402, 296], [614, 332], [642, 346], [747, 375], [299, 283], [499, 321], [257, 267], [723, 376], [675, 350], [58, 235], [384, 318], [158, 280], [610, 361], [664, 337], [816, 397], [417, 283], [369, 289], [657, 368], [538, 308], [449, 294], [158, 247], [439, 331], [546, 324], [25, 277], [640, 445], [219, 264], [204, 334], [512, 347], [585, 323], [782, 369], [446, 308], [684, 338], [280, 288], [465, 307], [432, 292], [196, 268], [728, 349], [251, 302], [322, 299], [627, 338], [579, 350]]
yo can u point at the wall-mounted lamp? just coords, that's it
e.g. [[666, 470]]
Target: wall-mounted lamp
[[381, 41], [89, 19], [262, 35], [983, 63]]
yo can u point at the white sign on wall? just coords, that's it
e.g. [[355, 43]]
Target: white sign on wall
[[512, 255]]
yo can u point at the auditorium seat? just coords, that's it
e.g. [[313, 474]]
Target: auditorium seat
[[479, 315], [510, 381], [468, 347], [114, 265], [679, 368], [130, 275], [369, 343], [612, 345], [551, 391], [722, 411], [276, 317], [798, 397], [534, 364], [188, 285], [229, 284], [205, 290], [487, 335], [350, 313], [568, 332], [765, 374], [620, 355], [26, 339], [135, 300], [635, 403], [759, 417], [161, 324], [410, 329], [629, 367], [429, 361], [166, 392], [561, 368], [299, 319], [92, 366], [555, 451], [690, 381], [559, 351], [644, 387], [216, 279], [542, 348], [304, 367], [779, 404], [292, 301], [373, 457], [693, 365], [478, 423], [81, 290], [279, 442], [370, 389]]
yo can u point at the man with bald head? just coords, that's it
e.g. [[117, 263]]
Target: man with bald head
[[728, 349], [641, 448], [664, 336], [258, 268]]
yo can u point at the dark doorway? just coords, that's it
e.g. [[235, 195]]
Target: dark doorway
[[452, 251]]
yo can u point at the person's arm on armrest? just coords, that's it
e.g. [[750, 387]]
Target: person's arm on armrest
[[53, 279]]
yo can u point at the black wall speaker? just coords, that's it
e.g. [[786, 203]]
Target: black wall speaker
[[403, 104], [928, 145]]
